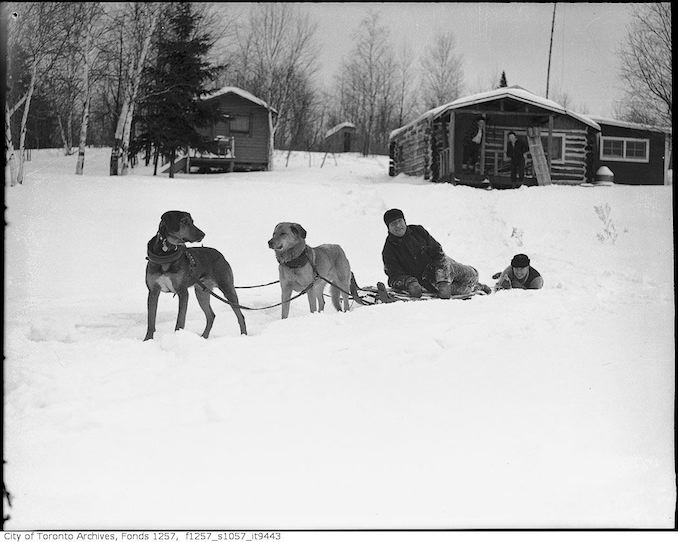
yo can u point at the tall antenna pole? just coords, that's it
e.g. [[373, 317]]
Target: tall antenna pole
[[548, 73]]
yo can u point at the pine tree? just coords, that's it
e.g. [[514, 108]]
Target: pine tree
[[502, 81], [180, 75]]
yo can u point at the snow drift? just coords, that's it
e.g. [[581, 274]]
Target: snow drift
[[549, 408]]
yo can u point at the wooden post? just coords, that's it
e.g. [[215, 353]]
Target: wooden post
[[428, 141], [550, 143], [667, 159], [450, 140], [548, 71], [391, 159], [482, 152]]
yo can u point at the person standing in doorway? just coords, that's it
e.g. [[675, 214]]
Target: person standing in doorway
[[516, 149], [472, 141]]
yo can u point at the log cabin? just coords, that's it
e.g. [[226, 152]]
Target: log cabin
[[435, 145]]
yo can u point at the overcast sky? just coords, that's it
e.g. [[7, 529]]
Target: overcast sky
[[492, 37]]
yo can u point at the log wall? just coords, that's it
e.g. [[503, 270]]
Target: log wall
[[410, 151]]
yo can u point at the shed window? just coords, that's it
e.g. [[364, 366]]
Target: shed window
[[623, 149], [240, 124]]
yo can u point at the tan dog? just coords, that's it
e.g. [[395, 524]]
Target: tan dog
[[296, 267]]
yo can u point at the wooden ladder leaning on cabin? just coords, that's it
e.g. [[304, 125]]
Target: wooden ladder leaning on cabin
[[539, 162]]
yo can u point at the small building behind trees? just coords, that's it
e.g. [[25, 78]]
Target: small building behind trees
[[240, 137], [342, 138]]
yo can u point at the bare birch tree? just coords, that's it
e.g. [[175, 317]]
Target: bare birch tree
[[87, 54], [40, 30], [405, 72], [646, 65], [61, 87], [366, 82], [442, 71], [139, 21], [276, 49]]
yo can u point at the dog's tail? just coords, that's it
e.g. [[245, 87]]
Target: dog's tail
[[354, 291]]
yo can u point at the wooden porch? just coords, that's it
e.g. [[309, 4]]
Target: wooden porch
[[490, 163], [497, 176], [220, 156]]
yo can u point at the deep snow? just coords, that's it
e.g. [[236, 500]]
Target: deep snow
[[549, 408]]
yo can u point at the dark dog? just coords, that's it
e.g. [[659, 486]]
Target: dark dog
[[298, 263], [174, 268]]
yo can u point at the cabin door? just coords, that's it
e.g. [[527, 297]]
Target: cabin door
[[347, 141]]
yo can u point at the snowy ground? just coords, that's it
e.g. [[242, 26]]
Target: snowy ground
[[538, 409]]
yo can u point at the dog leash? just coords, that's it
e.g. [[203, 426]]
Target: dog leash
[[257, 285], [200, 283], [243, 307], [317, 276]]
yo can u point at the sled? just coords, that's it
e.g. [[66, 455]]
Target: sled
[[373, 295]]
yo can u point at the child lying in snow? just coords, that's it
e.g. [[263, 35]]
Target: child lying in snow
[[519, 275]]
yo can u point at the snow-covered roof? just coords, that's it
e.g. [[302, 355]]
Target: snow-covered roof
[[632, 125], [338, 127], [514, 92], [240, 92]]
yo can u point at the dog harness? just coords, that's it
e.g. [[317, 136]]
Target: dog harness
[[299, 261]]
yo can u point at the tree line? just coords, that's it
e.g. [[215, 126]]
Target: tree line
[[126, 75], [119, 74]]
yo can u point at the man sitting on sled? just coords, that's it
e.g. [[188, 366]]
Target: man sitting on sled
[[413, 260]]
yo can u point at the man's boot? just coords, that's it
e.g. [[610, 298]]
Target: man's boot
[[413, 288], [484, 288], [444, 290]]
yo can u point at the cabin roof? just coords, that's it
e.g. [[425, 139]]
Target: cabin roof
[[240, 92], [514, 92], [632, 125], [338, 127]]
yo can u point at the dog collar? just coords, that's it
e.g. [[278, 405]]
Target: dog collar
[[170, 253], [297, 262]]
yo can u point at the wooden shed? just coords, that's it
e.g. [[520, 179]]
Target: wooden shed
[[435, 144], [342, 138], [636, 153], [241, 136]]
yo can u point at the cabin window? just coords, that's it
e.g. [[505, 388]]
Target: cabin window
[[558, 142], [624, 149], [240, 124]]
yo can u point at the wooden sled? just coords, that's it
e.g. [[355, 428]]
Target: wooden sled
[[373, 295]]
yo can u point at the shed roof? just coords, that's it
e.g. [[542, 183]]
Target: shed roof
[[240, 92], [338, 127], [632, 125], [514, 92]]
